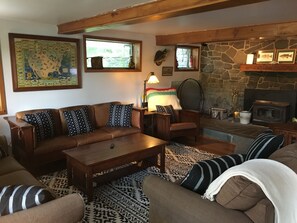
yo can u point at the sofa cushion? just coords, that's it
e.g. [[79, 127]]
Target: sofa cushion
[[92, 137], [44, 124], [206, 171], [239, 193], [14, 198], [18, 177], [287, 155], [57, 143], [120, 131], [167, 109], [9, 164], [262, 212], [120, 115], [101, 113], [78, 121], [264, 145]]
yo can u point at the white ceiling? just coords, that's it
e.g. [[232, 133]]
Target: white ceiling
[[61, 11]]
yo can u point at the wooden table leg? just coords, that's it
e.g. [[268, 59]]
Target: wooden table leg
[[162, 160], [89, 185], [69, 172]]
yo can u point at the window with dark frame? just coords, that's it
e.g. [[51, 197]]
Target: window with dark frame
[[187, 58], [111, 54]]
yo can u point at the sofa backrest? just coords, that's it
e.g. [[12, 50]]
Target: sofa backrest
[[55, 112], [62, 117], [101, 113]]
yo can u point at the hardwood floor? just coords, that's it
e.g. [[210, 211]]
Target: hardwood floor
[[208, 144]]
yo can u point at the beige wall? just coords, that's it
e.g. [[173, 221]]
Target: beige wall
[[97, 87]]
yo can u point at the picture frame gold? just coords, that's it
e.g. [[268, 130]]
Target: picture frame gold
[[44, 62], [265, 56], [286, 56]]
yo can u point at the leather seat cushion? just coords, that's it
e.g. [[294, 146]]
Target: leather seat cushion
[[182, 126], [92, 137], [120, 131]]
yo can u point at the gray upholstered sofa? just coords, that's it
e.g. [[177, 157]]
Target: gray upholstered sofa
[[67, 209], [169, 202]]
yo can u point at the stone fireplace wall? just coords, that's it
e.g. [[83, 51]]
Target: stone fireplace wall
[[222, 81]]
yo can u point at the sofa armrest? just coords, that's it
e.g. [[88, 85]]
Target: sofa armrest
[[162, 121], [170, 202], [66, 209], [137, 117], [22, 134]]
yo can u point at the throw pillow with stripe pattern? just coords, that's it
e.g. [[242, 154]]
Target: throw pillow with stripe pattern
[[206, 171], [167, 109], [78, 121], [264, 145], [120, 115], [15, 198], [44, 124]]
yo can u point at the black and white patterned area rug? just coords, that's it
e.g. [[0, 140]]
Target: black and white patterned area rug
[[123, 200]]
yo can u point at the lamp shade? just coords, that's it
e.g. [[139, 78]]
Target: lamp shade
[[152, 79]]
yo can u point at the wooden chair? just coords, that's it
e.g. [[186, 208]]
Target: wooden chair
[[187, 124]]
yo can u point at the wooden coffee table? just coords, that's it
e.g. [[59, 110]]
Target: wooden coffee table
[[138, 151]]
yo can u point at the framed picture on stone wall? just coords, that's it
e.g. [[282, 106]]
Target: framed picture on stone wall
[[265, 56], [286, 56]]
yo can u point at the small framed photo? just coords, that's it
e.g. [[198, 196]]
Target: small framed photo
[[265, 56], [286, 56], [167, 71]]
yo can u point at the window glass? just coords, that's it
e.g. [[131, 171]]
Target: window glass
[[111, 53], [187, 58]]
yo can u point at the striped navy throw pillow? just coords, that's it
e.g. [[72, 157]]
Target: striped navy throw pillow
[[264, 145], [167, 109], [44, 124], [206, 171], [78, 121], [15, 198], [120, 115]]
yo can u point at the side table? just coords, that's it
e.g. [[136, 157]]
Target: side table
[[149, 123]]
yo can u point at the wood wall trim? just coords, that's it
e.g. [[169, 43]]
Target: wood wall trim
[[152, 11], [228, 34]]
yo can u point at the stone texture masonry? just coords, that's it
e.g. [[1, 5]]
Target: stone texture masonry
[[220, 75]]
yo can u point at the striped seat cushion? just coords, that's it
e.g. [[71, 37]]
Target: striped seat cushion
[[120, 115], [78, 121], [15, 198], [206, 171], [264, 145]]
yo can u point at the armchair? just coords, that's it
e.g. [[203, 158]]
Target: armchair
[[187, 123]]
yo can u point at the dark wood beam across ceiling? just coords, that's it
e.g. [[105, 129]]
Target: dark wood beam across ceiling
[[268, 31], [152, 11]]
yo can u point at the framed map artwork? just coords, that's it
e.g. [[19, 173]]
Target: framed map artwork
[[44, 62]]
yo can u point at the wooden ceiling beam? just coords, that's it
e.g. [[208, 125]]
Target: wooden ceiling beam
[[152, 11], [239, 33]]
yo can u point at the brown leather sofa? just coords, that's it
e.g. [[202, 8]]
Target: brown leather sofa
[[67, 209], [32, 154], [239, 200]]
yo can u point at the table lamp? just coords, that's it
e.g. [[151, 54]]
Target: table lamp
[[150, 79]]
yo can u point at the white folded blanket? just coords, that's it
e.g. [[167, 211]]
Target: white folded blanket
[[278, 182]]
